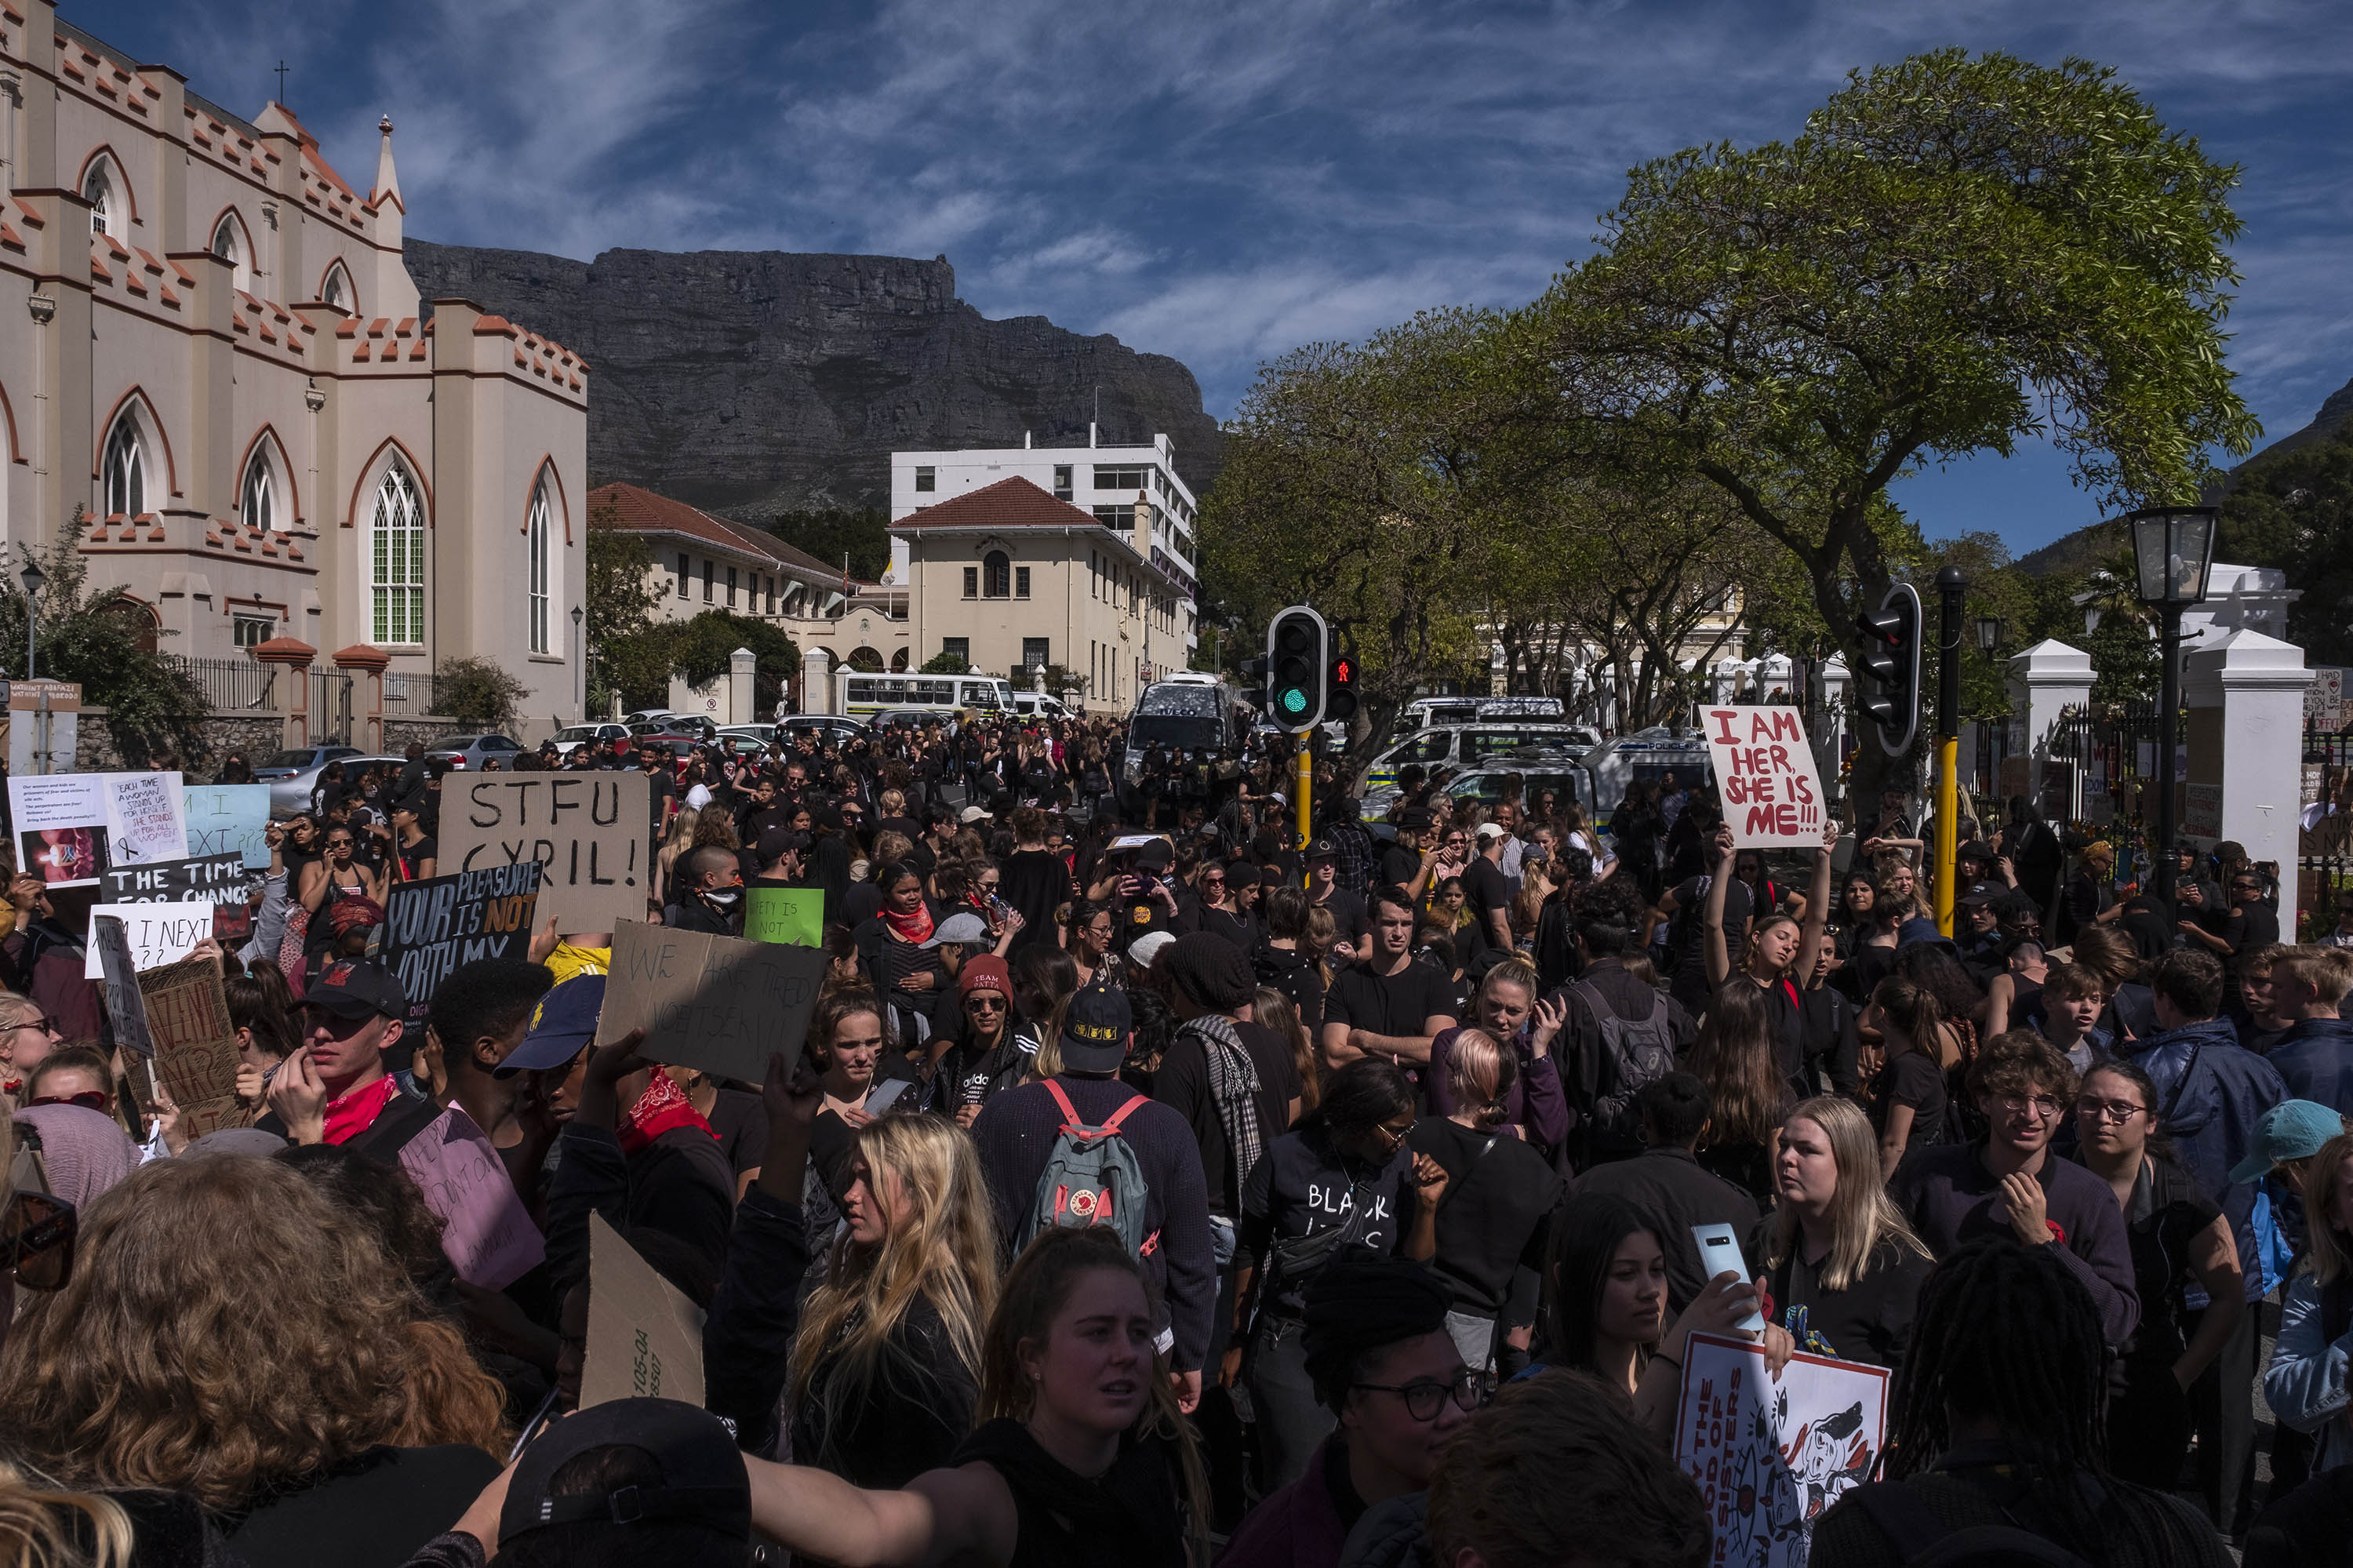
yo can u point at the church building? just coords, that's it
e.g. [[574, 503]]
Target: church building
[[209, 345]]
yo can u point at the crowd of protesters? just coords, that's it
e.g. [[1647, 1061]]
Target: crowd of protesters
[[1156, 1186]]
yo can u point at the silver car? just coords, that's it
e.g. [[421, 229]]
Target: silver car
[[291, 774], [471, 751]]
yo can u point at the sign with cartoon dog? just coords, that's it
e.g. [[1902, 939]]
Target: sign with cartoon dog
[[1771, 1455]]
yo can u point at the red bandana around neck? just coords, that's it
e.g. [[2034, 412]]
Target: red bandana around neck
[[356, 1112], [663, 1107], [915, 927]]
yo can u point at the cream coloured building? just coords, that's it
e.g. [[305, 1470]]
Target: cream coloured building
[[209, 344]]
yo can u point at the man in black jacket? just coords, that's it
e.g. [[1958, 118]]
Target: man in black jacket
[[712, 899], [1667, 1187]]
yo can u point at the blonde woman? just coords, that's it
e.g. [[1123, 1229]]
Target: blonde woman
[[886, 1364], [42, 1527], [679, 841], [1843, 1269], [2305, 1383]]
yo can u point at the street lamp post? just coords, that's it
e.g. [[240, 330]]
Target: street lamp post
[[579, 615], [2173, 548], [1989, 639], [34, 579]]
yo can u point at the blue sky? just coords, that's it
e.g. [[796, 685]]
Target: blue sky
[[1221, 182]]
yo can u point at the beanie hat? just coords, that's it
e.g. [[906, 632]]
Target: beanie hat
[[1211, 971], [986, 972]]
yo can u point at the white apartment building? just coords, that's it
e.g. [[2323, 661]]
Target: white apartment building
[[1107, 481]]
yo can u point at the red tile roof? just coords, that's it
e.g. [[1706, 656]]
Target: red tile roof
[[1014, 503], [639, 509]]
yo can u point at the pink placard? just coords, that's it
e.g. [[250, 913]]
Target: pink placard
[[486, 1231]]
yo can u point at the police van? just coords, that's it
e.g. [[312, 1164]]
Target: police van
[[1460, 745], [1647, 756]]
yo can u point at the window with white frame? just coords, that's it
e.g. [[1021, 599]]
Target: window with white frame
[[536, 529], [926, 479], [257, 498], [125, 469], [229, 246], [337, 290], [99, 191], [396, 561], [251, 630]]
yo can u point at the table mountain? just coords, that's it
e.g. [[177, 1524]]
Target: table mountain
[[754, 382]]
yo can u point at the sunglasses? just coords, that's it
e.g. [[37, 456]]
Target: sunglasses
[[88, 1099], [37, 1239], [984, 1003]]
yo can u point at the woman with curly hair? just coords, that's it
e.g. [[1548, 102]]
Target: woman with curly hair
[[231, 1332]]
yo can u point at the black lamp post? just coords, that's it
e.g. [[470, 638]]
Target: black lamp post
[[2173, 549], [34, 579], [589, 659], [1989, 638]]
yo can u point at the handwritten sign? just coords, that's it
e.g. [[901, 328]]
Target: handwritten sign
[[793, 916], [587, 831], [60, 823], [2201, 810], [711, 1002], [109, 942], [432, 927], [1765, 771], [1771, 1455], [645, 1338], [485, 1229], [143, 818], [228, 819], [195, 1044], [159, 934], [219, 879]]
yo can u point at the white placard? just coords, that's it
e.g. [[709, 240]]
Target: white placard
[[1765, 772], [158, 933], [71, 826]]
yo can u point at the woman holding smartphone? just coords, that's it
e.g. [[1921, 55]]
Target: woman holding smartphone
[[1841, 1263]]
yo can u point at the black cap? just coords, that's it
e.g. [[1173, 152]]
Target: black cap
[[1983, 893], [1156, 856], [354, 988], [1413, 819], [1095, 1027], [1320, 849], [775, 843], [703, 1480]]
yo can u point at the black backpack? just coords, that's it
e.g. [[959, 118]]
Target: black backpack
[[1634, 1051]]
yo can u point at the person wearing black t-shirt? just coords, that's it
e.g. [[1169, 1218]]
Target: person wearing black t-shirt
[[1391, 1005], [1487, 894], [1401, 860], [1909, 1094]]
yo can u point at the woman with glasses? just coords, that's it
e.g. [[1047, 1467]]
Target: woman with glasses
[[2009, 1183], [340, 875], [1093, 931], [1385, 1367], [2181, 1240], [1344, 1182]]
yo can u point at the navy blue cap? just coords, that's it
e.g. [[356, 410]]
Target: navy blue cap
[[1095, 1027], [562, 1027]]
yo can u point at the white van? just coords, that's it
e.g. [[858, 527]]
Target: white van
[[1037, 705], [862, 696]]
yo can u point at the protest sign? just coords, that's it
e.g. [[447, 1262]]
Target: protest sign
[[110, 944], [712, 1002], [587, 831], [158, 933], [485, 1230], [1771, 1455], [195, 1044], [793, 916], [2201, 810], [216, 879], [645, 1338], [432, 927], [71, 826], [228, 818], [1765, 771], [144, 822]]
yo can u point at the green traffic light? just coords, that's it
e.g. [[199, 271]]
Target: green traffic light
[[1293, 700]]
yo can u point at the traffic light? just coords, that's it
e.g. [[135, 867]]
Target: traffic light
[[1253, 672], [1295, 659], [1890, 694], [1340, 690]]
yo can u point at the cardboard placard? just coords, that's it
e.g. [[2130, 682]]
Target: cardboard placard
[[214, 879], [2201, 810], [228, 818], [645, 1338], [432, 927], [1765, 771], [1771, 1455], [71, 826], [110, 944], [158, 933], [716, 1003], [587, 831], [793, 916], [485, 1230], [195, 1044]]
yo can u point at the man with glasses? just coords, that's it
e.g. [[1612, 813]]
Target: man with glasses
[[1384, 1365], [2007, 1183], [336, 1087]]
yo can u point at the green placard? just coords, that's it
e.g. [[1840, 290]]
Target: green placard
[[792, 916]]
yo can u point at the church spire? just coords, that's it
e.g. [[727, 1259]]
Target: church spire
[[387, 178]]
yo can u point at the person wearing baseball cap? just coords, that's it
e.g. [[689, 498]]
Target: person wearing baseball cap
[[1401, 860], [337, 1087], [2287, 1136]]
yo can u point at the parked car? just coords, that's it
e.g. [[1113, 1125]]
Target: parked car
[[693, 724], [293, 774], [579, 735], [471, 751], [646, 715], [824, 726]]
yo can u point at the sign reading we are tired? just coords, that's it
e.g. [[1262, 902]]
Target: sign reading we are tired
[[715, 1004]]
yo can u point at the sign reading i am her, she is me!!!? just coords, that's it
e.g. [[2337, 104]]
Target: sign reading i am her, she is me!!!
[[1766, 775]]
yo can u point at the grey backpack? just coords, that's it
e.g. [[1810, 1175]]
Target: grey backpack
[[1092, 1178], [1634, 1051]]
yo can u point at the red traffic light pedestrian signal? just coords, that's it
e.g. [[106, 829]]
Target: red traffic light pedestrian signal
[[1340, 691]]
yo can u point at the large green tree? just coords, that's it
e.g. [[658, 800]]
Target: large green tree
[[1958, 254], [2294, 510]]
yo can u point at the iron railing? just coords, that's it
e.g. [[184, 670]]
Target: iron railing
[[231, 686]]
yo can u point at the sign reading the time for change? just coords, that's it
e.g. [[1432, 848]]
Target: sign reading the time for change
[[1765, 772]]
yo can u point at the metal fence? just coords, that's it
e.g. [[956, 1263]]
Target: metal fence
[[2324, 859], [231, 686], [330, 706], [411, 696], [2102, 763]]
